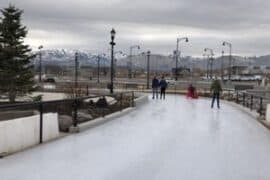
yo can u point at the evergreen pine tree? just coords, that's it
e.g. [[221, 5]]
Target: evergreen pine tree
[[16, 71]]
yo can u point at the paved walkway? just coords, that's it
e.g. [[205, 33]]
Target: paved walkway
[[175, 139]]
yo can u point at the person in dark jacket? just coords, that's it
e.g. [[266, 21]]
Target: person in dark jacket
[[155, 85], [163, 86], [215, 90]]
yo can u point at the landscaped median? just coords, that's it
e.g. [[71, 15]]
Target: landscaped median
[[139, 100]]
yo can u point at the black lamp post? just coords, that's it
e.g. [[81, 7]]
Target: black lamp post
[[230, 57], [222, 66], [99, 56], [178, 54], [76, 71], [148, 69], [98, 69], [40, 63], [210, 62], [112, 43], [130, 63]]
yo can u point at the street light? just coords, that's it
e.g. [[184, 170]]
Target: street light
[[76, 71], [230, 57], [210, 60], [148, 54], [222, 66], [148, 69], [206, 57], [98, 61], [115, 60], [40, 62], [130, 65], [177, 53], [112, 43]]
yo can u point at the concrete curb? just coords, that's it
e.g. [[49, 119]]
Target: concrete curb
[[143, 99]]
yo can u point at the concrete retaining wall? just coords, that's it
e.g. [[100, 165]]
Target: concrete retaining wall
[[22, 133], [99, 121], [267, 116], [142, 99]]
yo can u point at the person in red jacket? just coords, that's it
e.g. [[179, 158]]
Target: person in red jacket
[[192, 92]]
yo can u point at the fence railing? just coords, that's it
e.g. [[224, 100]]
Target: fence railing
[[71, 112], [252, 101]]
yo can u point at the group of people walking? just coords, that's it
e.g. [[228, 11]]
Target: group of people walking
[[159, 85]]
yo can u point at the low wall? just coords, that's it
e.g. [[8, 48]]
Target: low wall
[[142, 99], [21, 133], [267, 116]]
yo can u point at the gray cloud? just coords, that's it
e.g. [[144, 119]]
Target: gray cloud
[[155, 24]]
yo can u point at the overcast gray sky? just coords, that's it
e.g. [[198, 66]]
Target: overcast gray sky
[[153, 24]]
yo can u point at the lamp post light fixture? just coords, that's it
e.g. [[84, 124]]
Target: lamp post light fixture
[[210, 60], [230, 57], [178, 53], [40, 63], [130, 62], [112, 43]]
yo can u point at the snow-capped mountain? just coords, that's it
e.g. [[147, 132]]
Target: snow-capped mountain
[[157, 62], [67, 58]]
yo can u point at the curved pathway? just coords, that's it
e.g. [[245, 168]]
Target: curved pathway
[[175, 139]]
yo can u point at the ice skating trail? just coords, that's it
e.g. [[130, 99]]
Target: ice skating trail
[[172, 139]]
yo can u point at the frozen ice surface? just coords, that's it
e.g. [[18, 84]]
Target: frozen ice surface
[[175, 139]]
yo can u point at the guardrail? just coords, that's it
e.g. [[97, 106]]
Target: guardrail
[[252, 101], [72, 111], [247, 98]]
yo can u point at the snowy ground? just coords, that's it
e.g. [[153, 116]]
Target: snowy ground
[[175, 139]]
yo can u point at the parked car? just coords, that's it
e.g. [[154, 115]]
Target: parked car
[[49, 80], [236, 78], [258, 77], [171, 81]]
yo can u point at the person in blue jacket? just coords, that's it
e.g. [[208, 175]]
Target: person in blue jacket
[[155, 86], [163, 86]]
